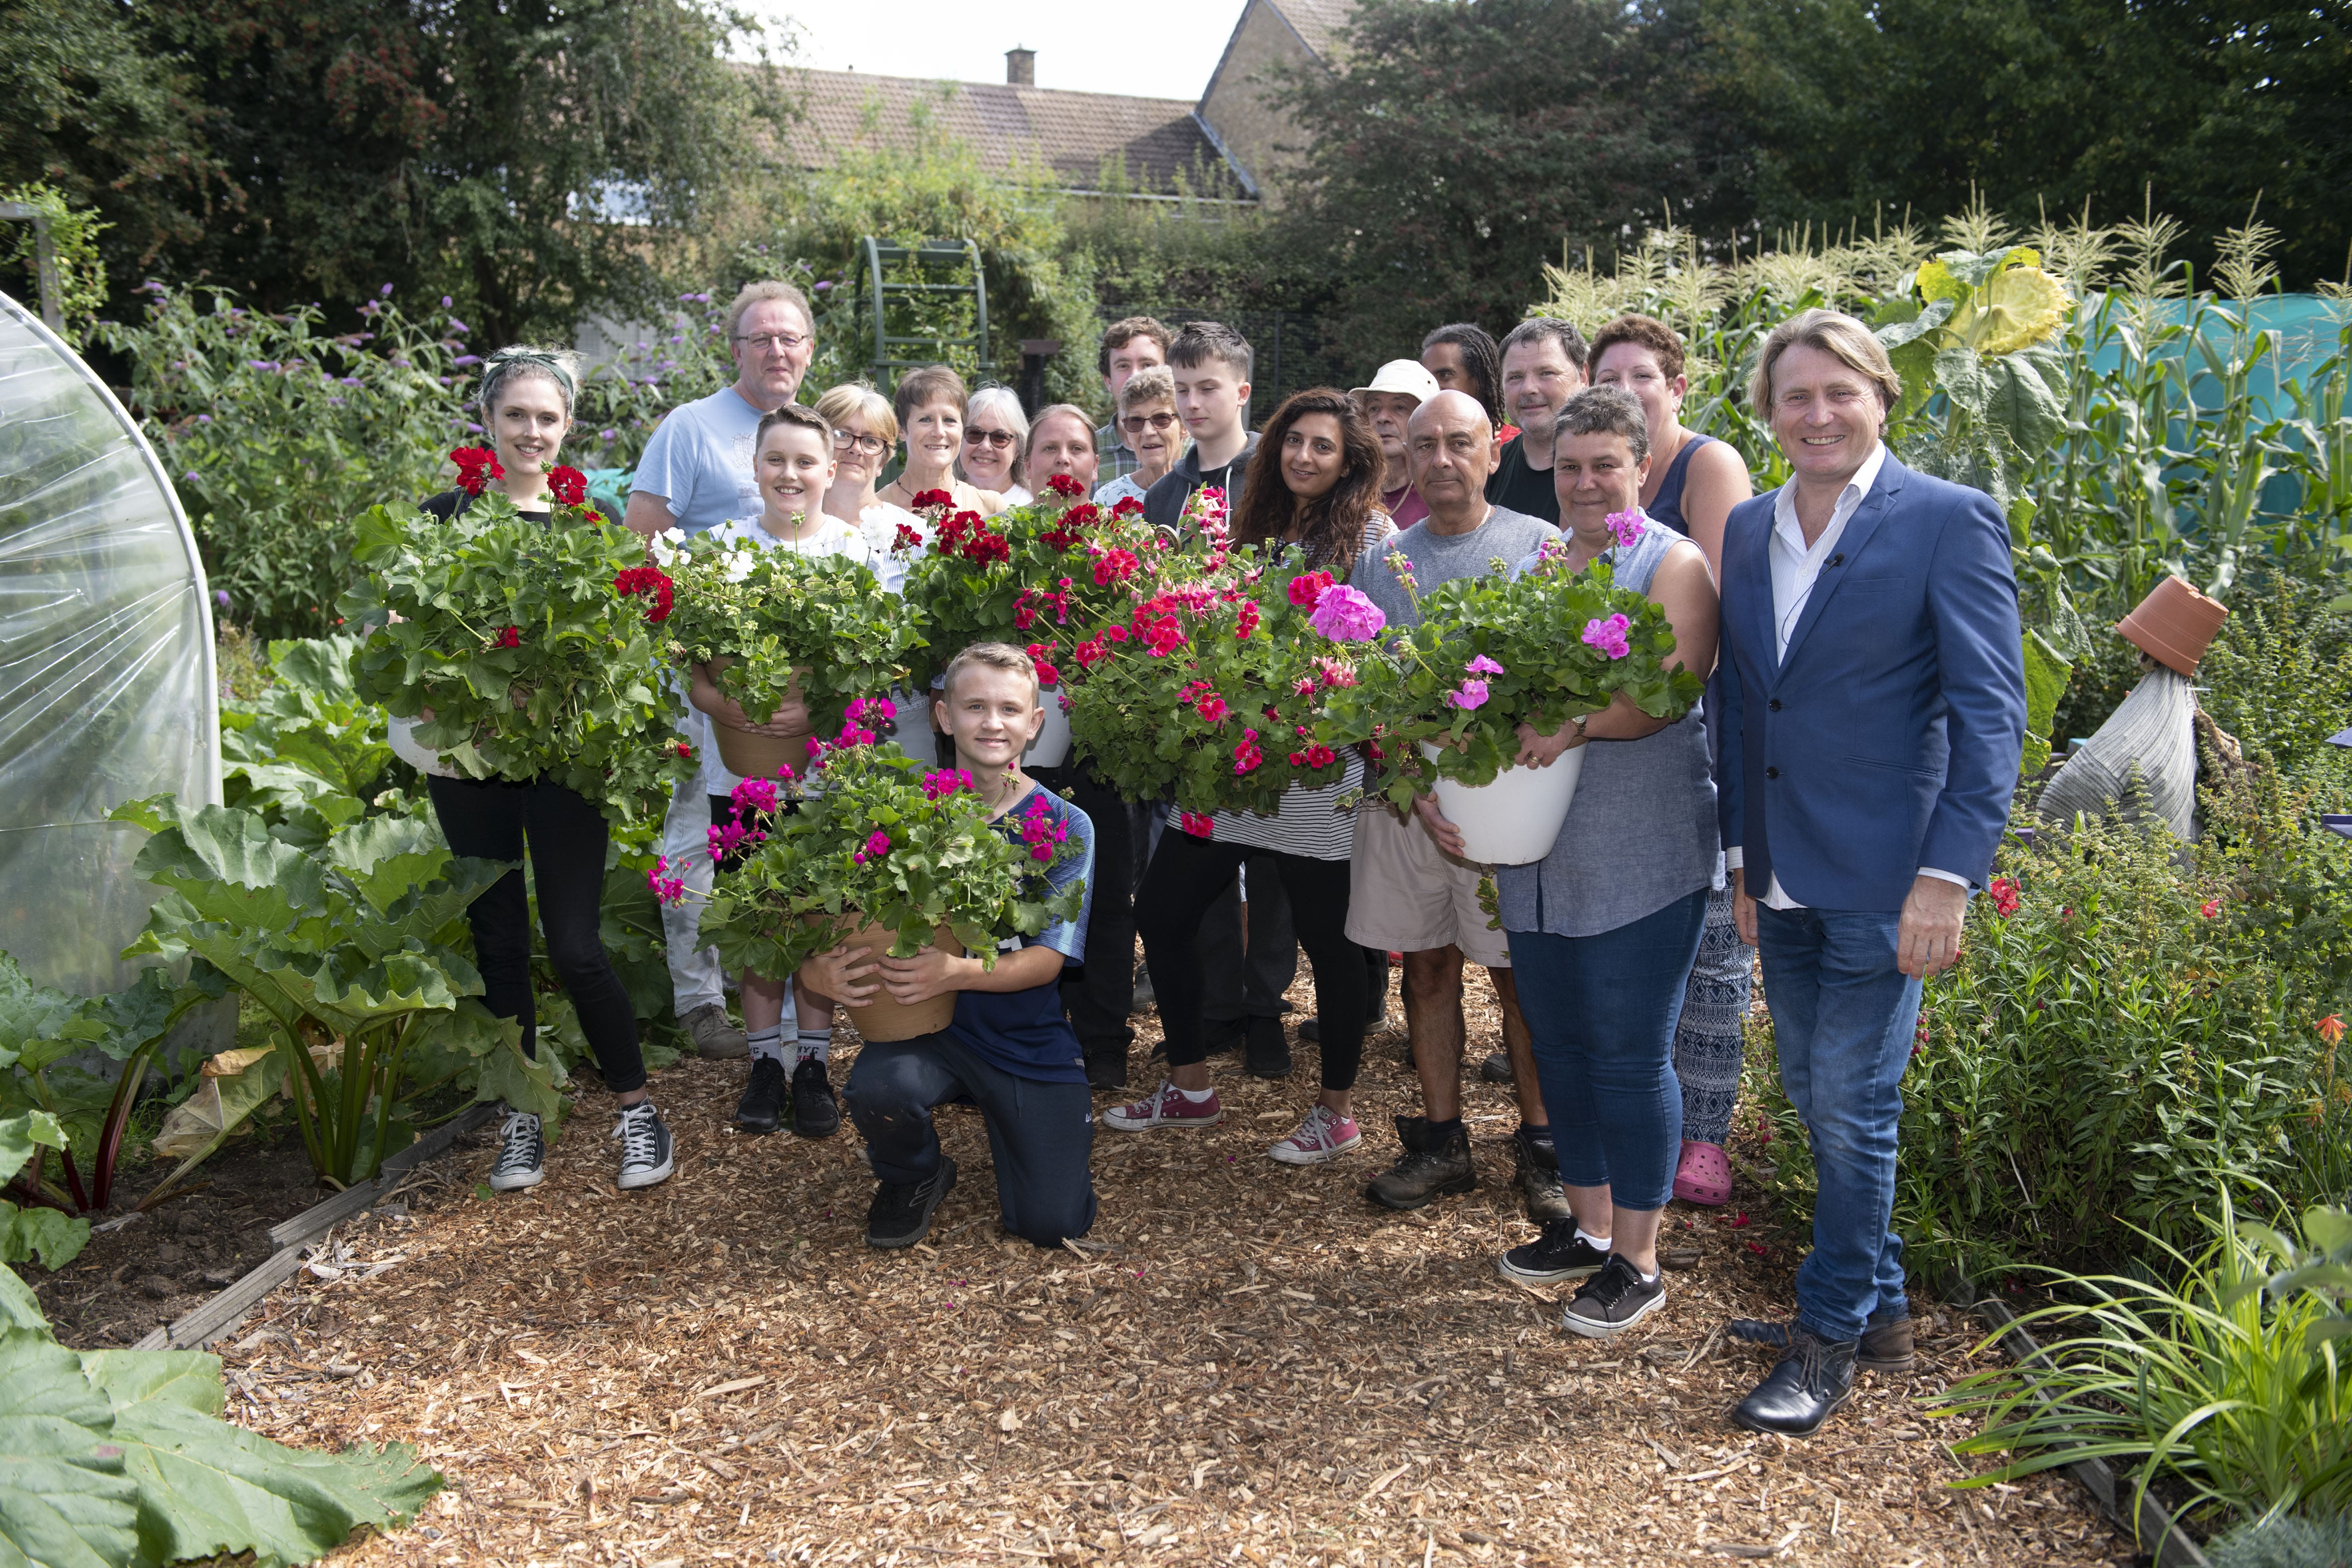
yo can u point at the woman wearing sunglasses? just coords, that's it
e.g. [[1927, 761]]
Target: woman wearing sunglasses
[[1147, 418], [995, 437], [863, 431]]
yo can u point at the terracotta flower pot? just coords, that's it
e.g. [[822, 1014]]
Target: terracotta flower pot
[[2174, 625], [885, 1019], [749, 756]]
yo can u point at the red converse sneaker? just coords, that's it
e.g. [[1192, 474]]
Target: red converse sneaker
[[1168, 1108]]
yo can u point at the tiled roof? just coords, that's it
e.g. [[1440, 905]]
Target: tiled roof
[[1318, 21], [1075, 132]]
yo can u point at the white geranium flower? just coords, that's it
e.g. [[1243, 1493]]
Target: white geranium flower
[[666, 545], [739, 563]]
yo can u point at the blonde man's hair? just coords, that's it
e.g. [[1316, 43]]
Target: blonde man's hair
[[1146, 387], [1836, 334], [859, 399], [751, 294], [992, 657]]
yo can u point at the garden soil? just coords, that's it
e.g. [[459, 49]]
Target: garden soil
[[1245, 1363]]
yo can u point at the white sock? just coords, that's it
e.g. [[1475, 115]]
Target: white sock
[[1195, 1096], [1597, 1243], [814, 1042], [768, 1044]]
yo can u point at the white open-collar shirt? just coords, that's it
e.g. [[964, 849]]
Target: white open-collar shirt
[[1796, 567]]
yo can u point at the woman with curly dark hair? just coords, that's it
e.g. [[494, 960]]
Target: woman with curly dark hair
[[1313, 490], [1315, 482]]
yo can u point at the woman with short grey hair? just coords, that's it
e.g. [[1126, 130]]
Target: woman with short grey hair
[[995, 444]]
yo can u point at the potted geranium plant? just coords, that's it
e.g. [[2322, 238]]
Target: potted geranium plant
[[537, 648], [1442, 703], [1042, 576], [887, 853], [1209, 692], [771, 625]]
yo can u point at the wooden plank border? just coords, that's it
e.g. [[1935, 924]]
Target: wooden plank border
[[213, 1318]]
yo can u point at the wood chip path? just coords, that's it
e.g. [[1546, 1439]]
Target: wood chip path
[[1248, 1364]]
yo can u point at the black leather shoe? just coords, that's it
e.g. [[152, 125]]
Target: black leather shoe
[[1814, 1377], [762, 1109], [1265, 1053]]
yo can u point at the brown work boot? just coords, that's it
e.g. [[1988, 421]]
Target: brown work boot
[[1885, 1347], [1538, 1175], [1424, 1172]]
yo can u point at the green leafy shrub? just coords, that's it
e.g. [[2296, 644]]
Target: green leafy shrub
[[2286, 1544], [2130, 1035], [2279, 677], [2211, 1383], [352, 948], [120, 1458]]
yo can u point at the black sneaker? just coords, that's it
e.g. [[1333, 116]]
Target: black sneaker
[[1558, 1254], [1107, 1067], [762, 1109], [1423, 1172], [646, 1154], [901, 1214], [1146, 999], [1265, 1053], [1496, 1068], [522, 1154], [1612, 1300], [815, 1113]]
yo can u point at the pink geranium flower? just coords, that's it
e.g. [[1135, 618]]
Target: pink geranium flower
[[1608, 636], [1345, 614]]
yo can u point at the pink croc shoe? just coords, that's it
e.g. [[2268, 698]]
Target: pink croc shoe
[[1703, 1176]]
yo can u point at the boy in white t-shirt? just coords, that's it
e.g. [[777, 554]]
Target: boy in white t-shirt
[[794, 458]]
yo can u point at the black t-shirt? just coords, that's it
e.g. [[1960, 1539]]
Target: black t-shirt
[[1163, 503], [1519, 488], [451, 503]]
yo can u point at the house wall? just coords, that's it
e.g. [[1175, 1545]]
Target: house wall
[[1238, 106]]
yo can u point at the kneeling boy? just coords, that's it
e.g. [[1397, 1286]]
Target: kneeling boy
[[1009, 1049]]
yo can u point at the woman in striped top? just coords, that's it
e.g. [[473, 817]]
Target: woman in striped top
[[1314, 487]]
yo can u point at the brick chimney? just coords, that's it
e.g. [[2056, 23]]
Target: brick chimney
[[1021, 67]]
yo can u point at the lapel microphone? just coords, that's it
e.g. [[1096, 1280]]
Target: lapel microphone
[[1837, 560]]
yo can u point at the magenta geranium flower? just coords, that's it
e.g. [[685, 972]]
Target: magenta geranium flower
[[1471, 694], [1608, 636], [1482, 665], [1346, 616], [1625, 526]]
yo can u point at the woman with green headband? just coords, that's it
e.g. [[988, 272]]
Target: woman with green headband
[[526, 410]]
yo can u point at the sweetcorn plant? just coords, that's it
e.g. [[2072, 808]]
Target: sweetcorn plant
[[1492, 653], [786, 622], [538, 649], [884, 839], [1045, 576], [1209, 692]]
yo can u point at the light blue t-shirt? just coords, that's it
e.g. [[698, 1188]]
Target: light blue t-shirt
[[699, 460]]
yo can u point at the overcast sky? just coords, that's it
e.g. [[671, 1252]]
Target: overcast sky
[[1090, 47]]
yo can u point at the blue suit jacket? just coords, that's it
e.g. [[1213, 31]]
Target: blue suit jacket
[[1888, 739]]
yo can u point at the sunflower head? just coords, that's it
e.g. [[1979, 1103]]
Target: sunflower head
[[2002, 302]]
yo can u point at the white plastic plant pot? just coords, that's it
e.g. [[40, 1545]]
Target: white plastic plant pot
[[1516, 820], [400, 735], [1052, 747]]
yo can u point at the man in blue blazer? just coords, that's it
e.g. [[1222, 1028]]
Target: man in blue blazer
[[1871, 701]]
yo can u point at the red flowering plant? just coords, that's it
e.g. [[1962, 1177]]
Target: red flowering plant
[[537, 649], [1049, 573], [768, 622], [880, 837], [1492, 652], [1209, 691]]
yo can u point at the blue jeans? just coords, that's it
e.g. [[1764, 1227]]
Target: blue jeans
[[1040, 1135], [1843, 1017], [1600, 1011]]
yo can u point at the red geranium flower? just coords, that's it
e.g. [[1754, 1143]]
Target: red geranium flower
[[650, 580], [510, 638], [1127, 507], [907, 538], [1196, 823], [476, 466], [1064, 485], [933, 498], [1307, 586], [568, 485], [683, 750]]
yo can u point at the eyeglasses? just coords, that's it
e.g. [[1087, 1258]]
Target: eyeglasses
[[1135, 423], [788, 342], [872, 445], [987, 437]]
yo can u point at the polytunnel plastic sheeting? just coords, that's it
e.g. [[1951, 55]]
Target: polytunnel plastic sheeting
[[107, 689]]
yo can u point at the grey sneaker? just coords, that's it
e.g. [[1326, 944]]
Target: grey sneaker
[[715, 1039], [645, 1150], [522, 1154], [1612, 1300]]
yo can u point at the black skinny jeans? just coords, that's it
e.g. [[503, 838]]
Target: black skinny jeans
[[1186, 877], [491, 820], [1098, 994]]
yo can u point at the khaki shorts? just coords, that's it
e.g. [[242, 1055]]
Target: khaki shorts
[[1407, 895]]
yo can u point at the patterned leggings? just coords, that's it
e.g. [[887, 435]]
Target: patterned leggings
[[1706, 1041]]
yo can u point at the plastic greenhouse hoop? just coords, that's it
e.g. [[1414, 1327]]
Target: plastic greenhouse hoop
[[124, 658]]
